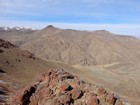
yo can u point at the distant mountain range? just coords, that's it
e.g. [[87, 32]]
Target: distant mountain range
[[77, 47]]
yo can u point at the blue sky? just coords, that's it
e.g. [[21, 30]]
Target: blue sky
[[118, 16]]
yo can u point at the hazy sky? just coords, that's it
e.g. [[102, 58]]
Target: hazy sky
[[118, 16]]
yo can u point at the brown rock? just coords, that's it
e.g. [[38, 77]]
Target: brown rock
[[33, 100], [74, 83], [19, 96], [119, 102], [85, 87], [65, 86], [64, 99], [76, 93], [93, 100], [64, 75], [45, 92], [110, 99], [55, 102], [101, 91], [78, 103], [23, 96]]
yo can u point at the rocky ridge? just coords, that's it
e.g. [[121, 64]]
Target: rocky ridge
[[6, 44], [58, 87]]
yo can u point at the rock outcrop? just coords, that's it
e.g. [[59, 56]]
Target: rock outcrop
[[58, 87], [6, 44]]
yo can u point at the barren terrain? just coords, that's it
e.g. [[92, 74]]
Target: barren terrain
[[99, 57]]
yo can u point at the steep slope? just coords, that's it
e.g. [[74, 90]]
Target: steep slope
[[23, 65], [84, 48]]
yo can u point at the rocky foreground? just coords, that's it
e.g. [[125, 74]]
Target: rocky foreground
[[58, 87]]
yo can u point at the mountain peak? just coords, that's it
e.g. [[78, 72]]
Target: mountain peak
[[50, 26]]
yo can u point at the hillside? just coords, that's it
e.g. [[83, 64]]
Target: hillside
[[101, 57], [23, 65], [19, 68], [80, 47], [84, 48]]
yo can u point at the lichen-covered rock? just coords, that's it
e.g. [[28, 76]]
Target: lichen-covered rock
[[58, 87]]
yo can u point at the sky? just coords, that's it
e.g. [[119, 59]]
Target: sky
[[117, 16]]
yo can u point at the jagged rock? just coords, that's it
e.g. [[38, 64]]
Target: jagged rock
[[74, 83], [1, 51], [78, 103], [45, 92], [58, 87], [93, 100], [110, 99], [119, 102], [6, 44], [76, 93], [33, 100], [101, 91], [64, 99], [65, 86]]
